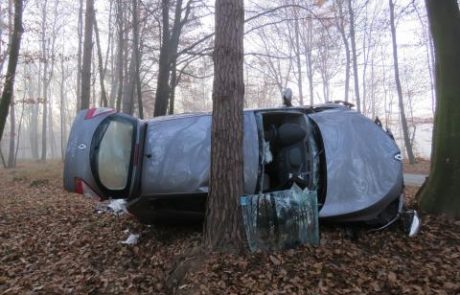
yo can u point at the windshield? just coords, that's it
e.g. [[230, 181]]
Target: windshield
[[114, 154]]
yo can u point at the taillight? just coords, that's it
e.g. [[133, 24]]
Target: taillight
[[93, 112], [79, 185], [82, 188]]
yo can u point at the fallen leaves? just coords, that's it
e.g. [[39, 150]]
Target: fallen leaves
[[52, 242]]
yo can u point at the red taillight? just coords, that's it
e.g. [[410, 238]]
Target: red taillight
[[82, 188], [79, 186], [93, 112]]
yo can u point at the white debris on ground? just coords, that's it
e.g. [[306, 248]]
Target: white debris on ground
[[132, 239], [115, 206]]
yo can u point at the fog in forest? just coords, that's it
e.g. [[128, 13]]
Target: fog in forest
[[148, 59]]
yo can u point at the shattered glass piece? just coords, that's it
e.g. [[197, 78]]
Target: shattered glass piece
[[281, 219], [117, 206]]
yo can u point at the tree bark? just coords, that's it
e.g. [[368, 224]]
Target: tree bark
[[405, 128], [223, 226], [440, 194], [87, 52], [8, 87]]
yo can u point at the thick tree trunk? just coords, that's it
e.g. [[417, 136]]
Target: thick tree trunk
[[87, 52], [441, 192], [405, 127], [223, 227], [162, 93], [8, 86], [353, 51]]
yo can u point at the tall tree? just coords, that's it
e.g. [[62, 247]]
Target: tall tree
[[405, 128], [223, 227], [80, 37], [85, 87], [13, 56], [340, 23], [440, 194], [351, 14], [168, 51]]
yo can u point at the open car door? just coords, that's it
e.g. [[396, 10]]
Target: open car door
[[102, 154]]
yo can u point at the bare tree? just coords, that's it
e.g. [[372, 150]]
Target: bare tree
[[354, 55], [168, 51], [405, 128], [340, 22], [13, 56], [85, 86]]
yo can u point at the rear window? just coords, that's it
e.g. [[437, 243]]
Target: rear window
[[113, 156]]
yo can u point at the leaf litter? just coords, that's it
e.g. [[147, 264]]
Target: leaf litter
[[53, 242]]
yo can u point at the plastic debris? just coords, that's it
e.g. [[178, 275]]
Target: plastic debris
[[132, 239], [115, 206], [281, 219], [267, 155]]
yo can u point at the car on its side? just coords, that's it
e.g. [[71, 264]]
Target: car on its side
[[161, 166]]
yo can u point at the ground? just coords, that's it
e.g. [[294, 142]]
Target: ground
[[54, 242]]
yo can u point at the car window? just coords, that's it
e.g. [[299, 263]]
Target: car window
[[114, 155]]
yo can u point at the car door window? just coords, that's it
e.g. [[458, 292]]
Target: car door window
[[114, 155]]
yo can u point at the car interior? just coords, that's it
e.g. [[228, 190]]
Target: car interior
[[287, 154]]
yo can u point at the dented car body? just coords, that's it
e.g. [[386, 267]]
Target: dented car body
[[161, 166]]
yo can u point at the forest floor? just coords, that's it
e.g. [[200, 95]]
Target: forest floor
[[54, 242]]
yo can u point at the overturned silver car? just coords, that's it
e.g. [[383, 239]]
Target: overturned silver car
[[161, 166]]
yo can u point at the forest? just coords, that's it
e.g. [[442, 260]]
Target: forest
[[394, 62], [151, 58]]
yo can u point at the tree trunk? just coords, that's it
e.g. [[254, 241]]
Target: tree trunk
[[223, 227], [63, 98], [172, 96], [298, 60], [353, 51], [44, 53], [101, 65], [120, 46], [80, 37], [8, 87], [441, 192], [341, 28], [87, 51], [168, 52], [162, 93], [11, 162], [405, 128]]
